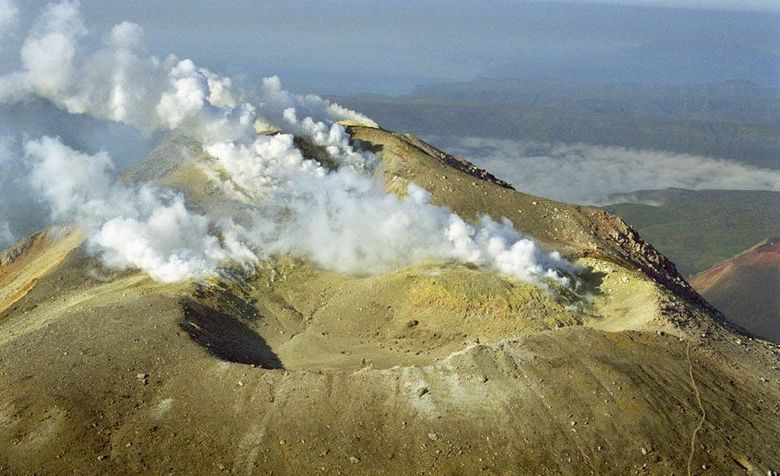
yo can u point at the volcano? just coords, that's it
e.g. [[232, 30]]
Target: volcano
[[436, 367], [747, 288]]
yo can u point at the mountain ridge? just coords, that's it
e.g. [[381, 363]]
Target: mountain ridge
[[436, 367]]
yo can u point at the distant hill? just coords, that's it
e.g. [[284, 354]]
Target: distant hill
[[746, 288], [665, 61], [754, 144], [734, 100], [669, 61], [698, 229]]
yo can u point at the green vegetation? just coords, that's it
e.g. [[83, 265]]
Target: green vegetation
[[698, 229]]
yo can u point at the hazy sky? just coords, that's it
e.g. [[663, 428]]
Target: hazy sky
[[349, 46]]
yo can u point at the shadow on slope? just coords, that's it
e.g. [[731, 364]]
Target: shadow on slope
[[226, 337]]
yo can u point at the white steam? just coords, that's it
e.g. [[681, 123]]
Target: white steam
[[118, 82], [142, 227], [589, 174], [345, 221], [9, 16], [6, 236], [341, 219]]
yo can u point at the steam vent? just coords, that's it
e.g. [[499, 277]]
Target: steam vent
[[203, 276]]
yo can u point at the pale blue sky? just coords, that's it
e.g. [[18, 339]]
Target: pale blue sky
[[348, 46]]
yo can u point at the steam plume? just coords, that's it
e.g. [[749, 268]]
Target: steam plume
[[341, 219], [9, 13]]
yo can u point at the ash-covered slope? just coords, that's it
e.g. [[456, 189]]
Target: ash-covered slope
[[469, 191], [435, 367], [747, 288]]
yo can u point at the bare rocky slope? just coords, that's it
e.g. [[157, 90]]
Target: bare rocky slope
[[747, 288], [435, 368]]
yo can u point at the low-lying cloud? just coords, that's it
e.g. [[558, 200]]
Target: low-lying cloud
[[340, 219], [589, 174]]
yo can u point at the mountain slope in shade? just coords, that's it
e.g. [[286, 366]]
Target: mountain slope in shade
[[436, 368], [747, 288]]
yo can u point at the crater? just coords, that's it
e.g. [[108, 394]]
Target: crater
[[295, 316], [226, 337]]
